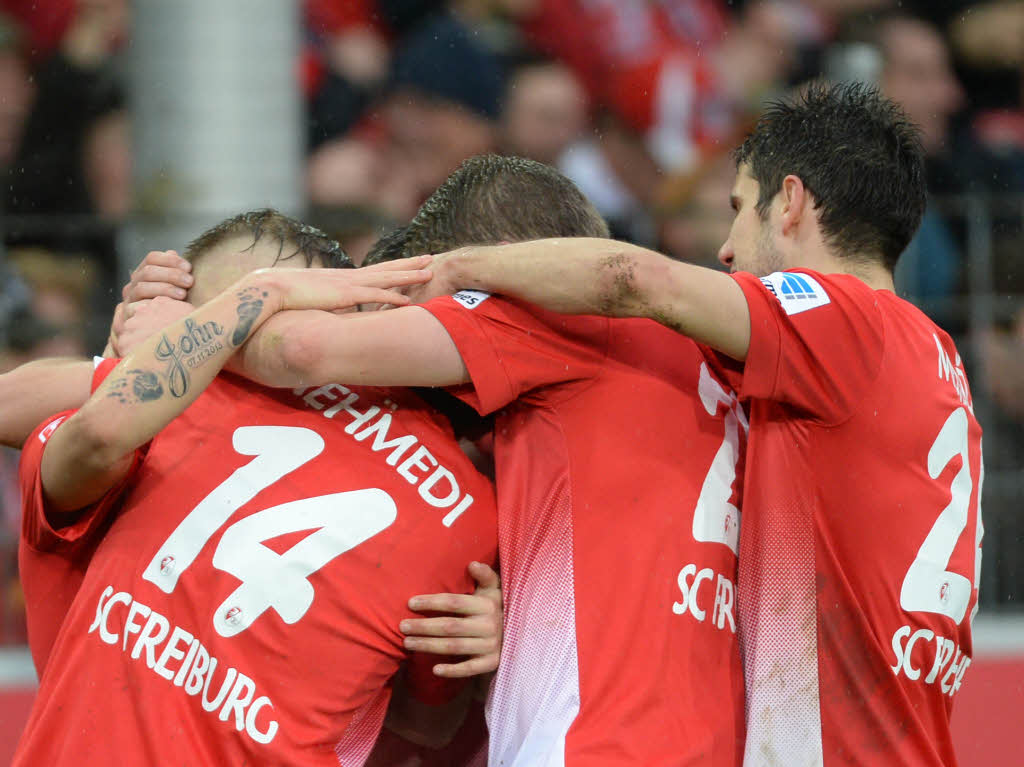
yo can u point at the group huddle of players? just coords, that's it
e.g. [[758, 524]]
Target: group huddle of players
[[224, 520]]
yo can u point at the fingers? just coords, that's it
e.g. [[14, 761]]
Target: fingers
[[454, 645], [485, 577], [169, 258], [400, 264], [459, 604], [161, 273], [363, 295], [171, 275], [483, 664], [385, 279], [447, 626]]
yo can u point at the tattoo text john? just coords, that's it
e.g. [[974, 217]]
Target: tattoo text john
[[196, 345]]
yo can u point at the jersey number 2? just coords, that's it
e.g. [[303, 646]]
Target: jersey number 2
[[715, 520], [341, 521], [928, 586]]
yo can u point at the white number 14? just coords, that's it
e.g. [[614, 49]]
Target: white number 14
[[270, 580]]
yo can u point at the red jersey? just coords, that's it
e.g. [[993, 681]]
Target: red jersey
[[861, 527], [243, 606], [616, 449], [52, 564]]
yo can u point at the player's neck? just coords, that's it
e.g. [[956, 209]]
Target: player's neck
[[871, 272]]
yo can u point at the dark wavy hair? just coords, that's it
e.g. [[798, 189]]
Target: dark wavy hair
[[858, 155]]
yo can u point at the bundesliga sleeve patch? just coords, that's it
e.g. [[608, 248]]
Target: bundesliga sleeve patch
[[471, 299], [796, 292]]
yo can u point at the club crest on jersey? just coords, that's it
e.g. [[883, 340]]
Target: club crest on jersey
[[471, 299], [796, 292]]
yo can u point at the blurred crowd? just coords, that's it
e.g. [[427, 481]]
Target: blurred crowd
[[638, 101]]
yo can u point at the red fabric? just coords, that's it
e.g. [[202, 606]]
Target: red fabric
[[318, 658], [331, 17], [602, 446], [620, 51], [44, 21], [52, 560], [849, 393]]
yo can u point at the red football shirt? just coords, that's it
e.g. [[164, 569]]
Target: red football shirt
[[861, 529], [616, 450], [51, 564], [242, 607]]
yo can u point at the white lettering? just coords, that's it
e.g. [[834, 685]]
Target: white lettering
[[428, 484], [225, 686], [415, 461], [164, 643], [722, 611], [455, 513], [130, 626], [179, 678], [705, 574], [323, 391], [98, 620], [359, 418], [943, 654], [250, 722], [683, 581], [947, 667], [689, 581], [953, 669], [194, 682], [171, 652], [156, 630], [897, 647], [120, 598], [381, 441], [239, 697], [432, 486]]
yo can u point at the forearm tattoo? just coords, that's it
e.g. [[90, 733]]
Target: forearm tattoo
[[136, 386], [195, 346], [249, 309]]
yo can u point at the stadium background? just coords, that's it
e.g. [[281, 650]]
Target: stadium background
[[129, 125]]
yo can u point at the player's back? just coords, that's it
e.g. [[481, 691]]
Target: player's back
[[243, 607], [860, 545], [616, 449]]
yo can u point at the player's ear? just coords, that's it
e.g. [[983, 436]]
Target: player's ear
[[795, 202]]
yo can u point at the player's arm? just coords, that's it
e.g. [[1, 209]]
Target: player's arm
[[33, 391], [616, 279], [94, 448], [407, 346]]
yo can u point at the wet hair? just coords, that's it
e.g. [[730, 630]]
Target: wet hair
[[490, 199], [857, 154], [293, 238]]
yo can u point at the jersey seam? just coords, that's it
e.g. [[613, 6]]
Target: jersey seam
[[861, 402]]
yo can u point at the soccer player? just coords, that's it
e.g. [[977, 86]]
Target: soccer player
[[860, 544], [253, 551], [617, 446]]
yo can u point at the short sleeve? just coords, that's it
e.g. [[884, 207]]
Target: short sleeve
[[816, 341], [39, 528], [511, 348]]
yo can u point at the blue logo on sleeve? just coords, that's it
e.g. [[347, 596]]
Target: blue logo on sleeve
[[796, 292]]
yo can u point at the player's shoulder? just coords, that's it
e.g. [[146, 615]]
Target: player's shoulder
[[516, 317]]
